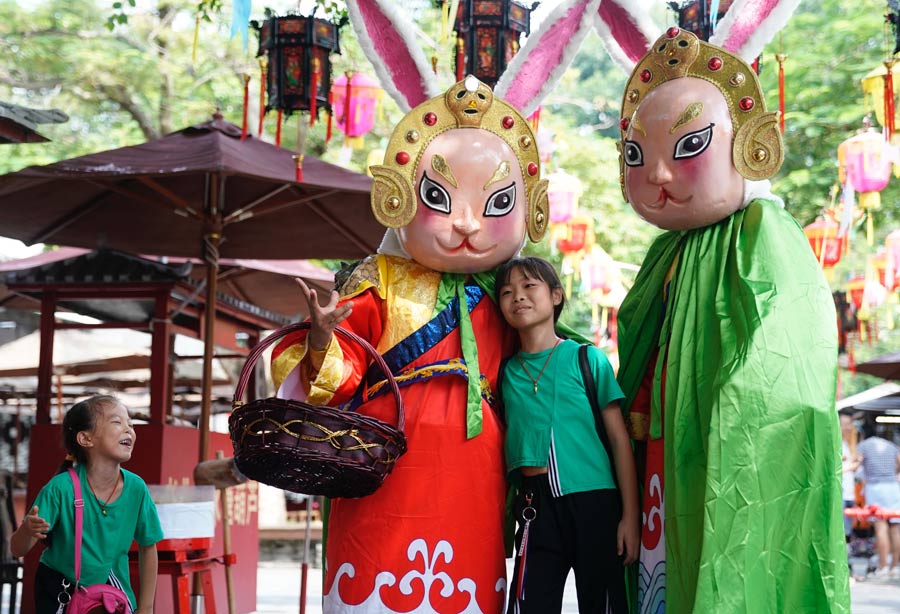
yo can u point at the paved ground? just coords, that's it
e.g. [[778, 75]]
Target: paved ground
[[279, 586]]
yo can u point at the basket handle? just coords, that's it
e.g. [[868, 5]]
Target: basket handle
[[259, 348]]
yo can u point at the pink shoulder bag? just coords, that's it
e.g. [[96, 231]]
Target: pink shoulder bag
[[97, 598]]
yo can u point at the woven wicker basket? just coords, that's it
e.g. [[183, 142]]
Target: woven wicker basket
[[310, 449]]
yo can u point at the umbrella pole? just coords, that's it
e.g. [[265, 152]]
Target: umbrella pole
[[304, 567], [211, 256]]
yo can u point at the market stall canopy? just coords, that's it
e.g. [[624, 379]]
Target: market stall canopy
[[19, 124], [886, 366], [164, 196], [268, 284], [882, 394], [78, 352]]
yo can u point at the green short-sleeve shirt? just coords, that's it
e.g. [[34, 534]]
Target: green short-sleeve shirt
[[105, 539], [555, 427]]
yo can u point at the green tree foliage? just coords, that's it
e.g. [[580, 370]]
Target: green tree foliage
[[138, 80]]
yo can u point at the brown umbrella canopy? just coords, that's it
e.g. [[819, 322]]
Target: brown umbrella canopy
[[200, 192], [886, 366], [162, 197]]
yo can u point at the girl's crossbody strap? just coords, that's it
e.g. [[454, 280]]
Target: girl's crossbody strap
[[79, 518]]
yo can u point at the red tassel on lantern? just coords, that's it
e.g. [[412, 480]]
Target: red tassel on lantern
[[781, 58], [246, 104], [889, 99], [314, 90], [278, 129], [263, 66], [330, 117], [298, 160]]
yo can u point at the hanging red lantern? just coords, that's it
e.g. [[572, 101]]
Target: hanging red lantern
[[855, 290], [298, 49], [489, 32], [355, 98], [576, 237], [864, 163], [825, 242]]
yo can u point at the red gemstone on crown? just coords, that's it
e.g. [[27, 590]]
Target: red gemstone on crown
[[430, 119], [715, 63], [532, 169], [646, 75], [624, 123], [402, 157], [672, 32], [746, 104], [508, 122]]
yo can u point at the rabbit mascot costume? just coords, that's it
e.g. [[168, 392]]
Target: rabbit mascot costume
[[727, 339], [459, 190]]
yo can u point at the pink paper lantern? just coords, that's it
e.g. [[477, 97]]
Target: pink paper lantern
[[864, 162], [563, 193], [354, 102]]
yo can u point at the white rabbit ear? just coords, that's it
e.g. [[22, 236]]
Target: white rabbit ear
[[387, 35], [626, 30], [750, 24], [547, 53]]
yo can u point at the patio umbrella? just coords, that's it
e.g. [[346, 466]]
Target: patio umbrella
[[886, 366], [200, 192]]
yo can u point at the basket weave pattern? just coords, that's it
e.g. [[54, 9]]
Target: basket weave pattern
[[313, 449]]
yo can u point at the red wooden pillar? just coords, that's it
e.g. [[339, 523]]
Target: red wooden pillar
[[160, 349], [45, 364]]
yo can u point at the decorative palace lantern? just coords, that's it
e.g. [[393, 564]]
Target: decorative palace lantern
[[892, 261], [864, 163], [354, 98], [825, 242], [563, 192], [700, 17], [488, 34], [296, 63]]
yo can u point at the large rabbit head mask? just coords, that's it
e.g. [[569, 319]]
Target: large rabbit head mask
[[694, 125], [460, 186]]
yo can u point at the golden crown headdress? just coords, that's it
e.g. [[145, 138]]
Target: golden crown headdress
[[469, 104], [757, 149]]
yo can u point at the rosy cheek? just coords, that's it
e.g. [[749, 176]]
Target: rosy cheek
[[501, 230]]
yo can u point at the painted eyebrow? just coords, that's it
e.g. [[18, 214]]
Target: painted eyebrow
[[690, 113], [501, 173], [440, 166], [637, 127]]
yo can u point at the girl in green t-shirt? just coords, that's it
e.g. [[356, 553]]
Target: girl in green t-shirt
[[570, 512], [118, 510]]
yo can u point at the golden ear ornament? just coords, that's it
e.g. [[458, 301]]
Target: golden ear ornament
[[758, 150], [538, 211], [393, 200]]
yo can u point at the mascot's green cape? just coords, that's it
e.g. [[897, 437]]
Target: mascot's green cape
[[753, 509]]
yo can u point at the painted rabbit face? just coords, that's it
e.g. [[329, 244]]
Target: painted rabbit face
[[471, 203], [677, 152]]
